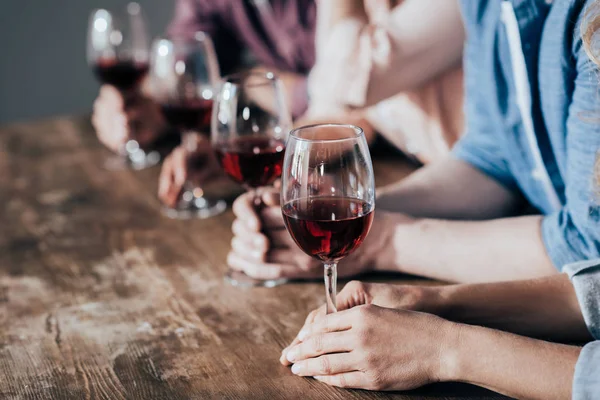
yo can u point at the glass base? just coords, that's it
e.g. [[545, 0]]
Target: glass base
[[136, 161], [200, 208], [240, 279]]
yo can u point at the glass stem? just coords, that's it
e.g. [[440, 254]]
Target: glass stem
[[331, 287]]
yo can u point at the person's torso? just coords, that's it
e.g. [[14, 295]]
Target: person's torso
[[519, 74], [278, 33]]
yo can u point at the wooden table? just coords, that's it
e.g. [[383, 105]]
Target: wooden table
[[101, 297]]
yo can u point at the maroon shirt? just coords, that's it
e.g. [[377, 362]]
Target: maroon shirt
[[280, 34]]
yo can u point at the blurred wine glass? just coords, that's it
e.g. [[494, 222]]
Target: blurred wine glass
[[183, 76], [117, 52]]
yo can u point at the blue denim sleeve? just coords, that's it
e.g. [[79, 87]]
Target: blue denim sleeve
[[585, 276], [480, 149], [480, 146], [573, 233], [586, 382]]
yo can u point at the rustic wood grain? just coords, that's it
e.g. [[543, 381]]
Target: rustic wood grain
[[101, 297]]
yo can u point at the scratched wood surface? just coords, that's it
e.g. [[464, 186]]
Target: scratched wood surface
[[101, 297]]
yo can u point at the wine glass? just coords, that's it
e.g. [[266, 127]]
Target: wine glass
[[117, 52], [183, 76], [250, 125], [328, 194]]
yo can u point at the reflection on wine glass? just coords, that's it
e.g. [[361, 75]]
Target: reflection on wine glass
[[117, 52], [328, 194], [250, 125], [183, 77]]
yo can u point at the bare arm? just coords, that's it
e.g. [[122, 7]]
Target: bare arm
[[361, 61], [450, 189], [426, 39], [545, 307], [513, 365], [458, 251], [461, 251], [376, 348]]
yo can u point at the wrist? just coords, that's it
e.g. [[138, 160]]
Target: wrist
[[393, 229], [454, 352]]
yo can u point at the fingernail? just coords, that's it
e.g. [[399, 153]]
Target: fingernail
[[291, 355], [302, 334], [296, 368]]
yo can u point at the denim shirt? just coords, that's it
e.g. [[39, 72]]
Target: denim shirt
[[533, 114], [585, 276]]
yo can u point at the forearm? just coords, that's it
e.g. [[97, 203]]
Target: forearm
[[545, 307], [422, 46], [513, 365], [464, 251], [450, 189]]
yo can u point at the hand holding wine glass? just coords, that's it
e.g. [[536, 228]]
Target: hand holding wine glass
[[118, 55], [328, 194], [117, 120], [263, 249], [197, 166], [183, 76], [249, 128]]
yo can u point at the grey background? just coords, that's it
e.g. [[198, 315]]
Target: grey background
[[43, 69]]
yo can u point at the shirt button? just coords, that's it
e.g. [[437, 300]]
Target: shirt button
[[549, 1]]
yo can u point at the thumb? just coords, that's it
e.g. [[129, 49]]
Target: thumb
[[271, 198], [354, 294]]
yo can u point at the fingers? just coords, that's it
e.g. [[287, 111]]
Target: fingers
[[317, 322], [112, 96], [262, 270], [271, 217], [354, 293], [251, 251], [245, 211], [244, 208], [312, 316], [180, 171], [172, 177], [165, 179], [353, 379], [338, 321], [271, 198], [108, 118], [325, 365], [319, 344]]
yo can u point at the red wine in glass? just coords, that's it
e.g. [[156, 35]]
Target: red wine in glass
[[124, 75], [189, 115], [252, 161], [328, 228]]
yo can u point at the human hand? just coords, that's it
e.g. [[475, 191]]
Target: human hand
[[356, 293], [375, 348], [263, 249], [195, 161], [118, 119]]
